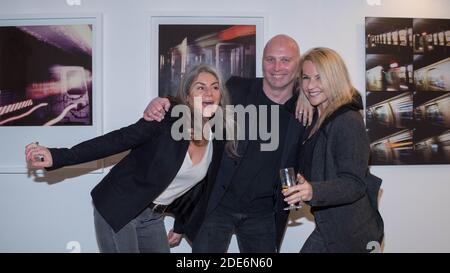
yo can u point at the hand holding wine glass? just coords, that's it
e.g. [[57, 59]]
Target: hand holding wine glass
[[301, 192], [288, 180]]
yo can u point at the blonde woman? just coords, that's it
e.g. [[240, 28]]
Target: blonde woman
[[334, 160]]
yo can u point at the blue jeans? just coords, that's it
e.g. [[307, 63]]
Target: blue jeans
[[144, 234], [255, 233]]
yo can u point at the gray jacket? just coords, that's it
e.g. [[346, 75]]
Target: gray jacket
[[344, 215]]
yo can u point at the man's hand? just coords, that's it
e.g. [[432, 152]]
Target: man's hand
[[156, 109], [174, 238], [304, 111]]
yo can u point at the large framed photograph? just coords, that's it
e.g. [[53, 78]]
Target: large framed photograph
[[50, 84], [408, 90], [231, 44]]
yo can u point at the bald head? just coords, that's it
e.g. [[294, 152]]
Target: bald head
[[280, 67], [282, 40]]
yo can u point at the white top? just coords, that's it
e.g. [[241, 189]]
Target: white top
[[187, 177]]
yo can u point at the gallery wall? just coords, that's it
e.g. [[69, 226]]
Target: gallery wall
[[55, 214]]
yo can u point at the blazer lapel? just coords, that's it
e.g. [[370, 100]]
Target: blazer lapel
[[319, 158], [166, 170]]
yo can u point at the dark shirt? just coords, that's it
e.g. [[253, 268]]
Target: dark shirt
[[253, 184], [306, 150]]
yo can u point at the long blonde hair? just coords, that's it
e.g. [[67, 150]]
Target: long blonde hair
[[334, 77], [183, 93]]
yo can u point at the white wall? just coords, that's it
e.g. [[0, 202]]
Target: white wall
[[44, 217]]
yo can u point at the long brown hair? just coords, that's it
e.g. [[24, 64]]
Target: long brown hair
[[183, 97], [334, 77]]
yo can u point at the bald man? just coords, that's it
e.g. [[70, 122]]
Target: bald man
[[246, 198]]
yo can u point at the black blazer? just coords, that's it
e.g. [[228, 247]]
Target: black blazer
[[344, 214], [140, 177], [245, 92]]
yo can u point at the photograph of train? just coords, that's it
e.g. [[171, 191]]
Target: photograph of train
[[432, 108], [389, 35], [385, 111], [229, 48], [431, 36], [46, 75], [395, 148], [430, 74], [408, 90], [432, 147], [389, 72]]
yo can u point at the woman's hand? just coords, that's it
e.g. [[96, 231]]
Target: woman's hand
[[38, 156], [304, 111], [156, 109], [174, 238], [303, 191]]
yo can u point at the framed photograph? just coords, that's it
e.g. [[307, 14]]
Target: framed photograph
[[233, 45], [408, 90], [50, 84]]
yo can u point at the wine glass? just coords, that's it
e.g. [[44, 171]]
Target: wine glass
[[288, 179]]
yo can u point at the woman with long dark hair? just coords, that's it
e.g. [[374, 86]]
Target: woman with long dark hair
[[160, 174]]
